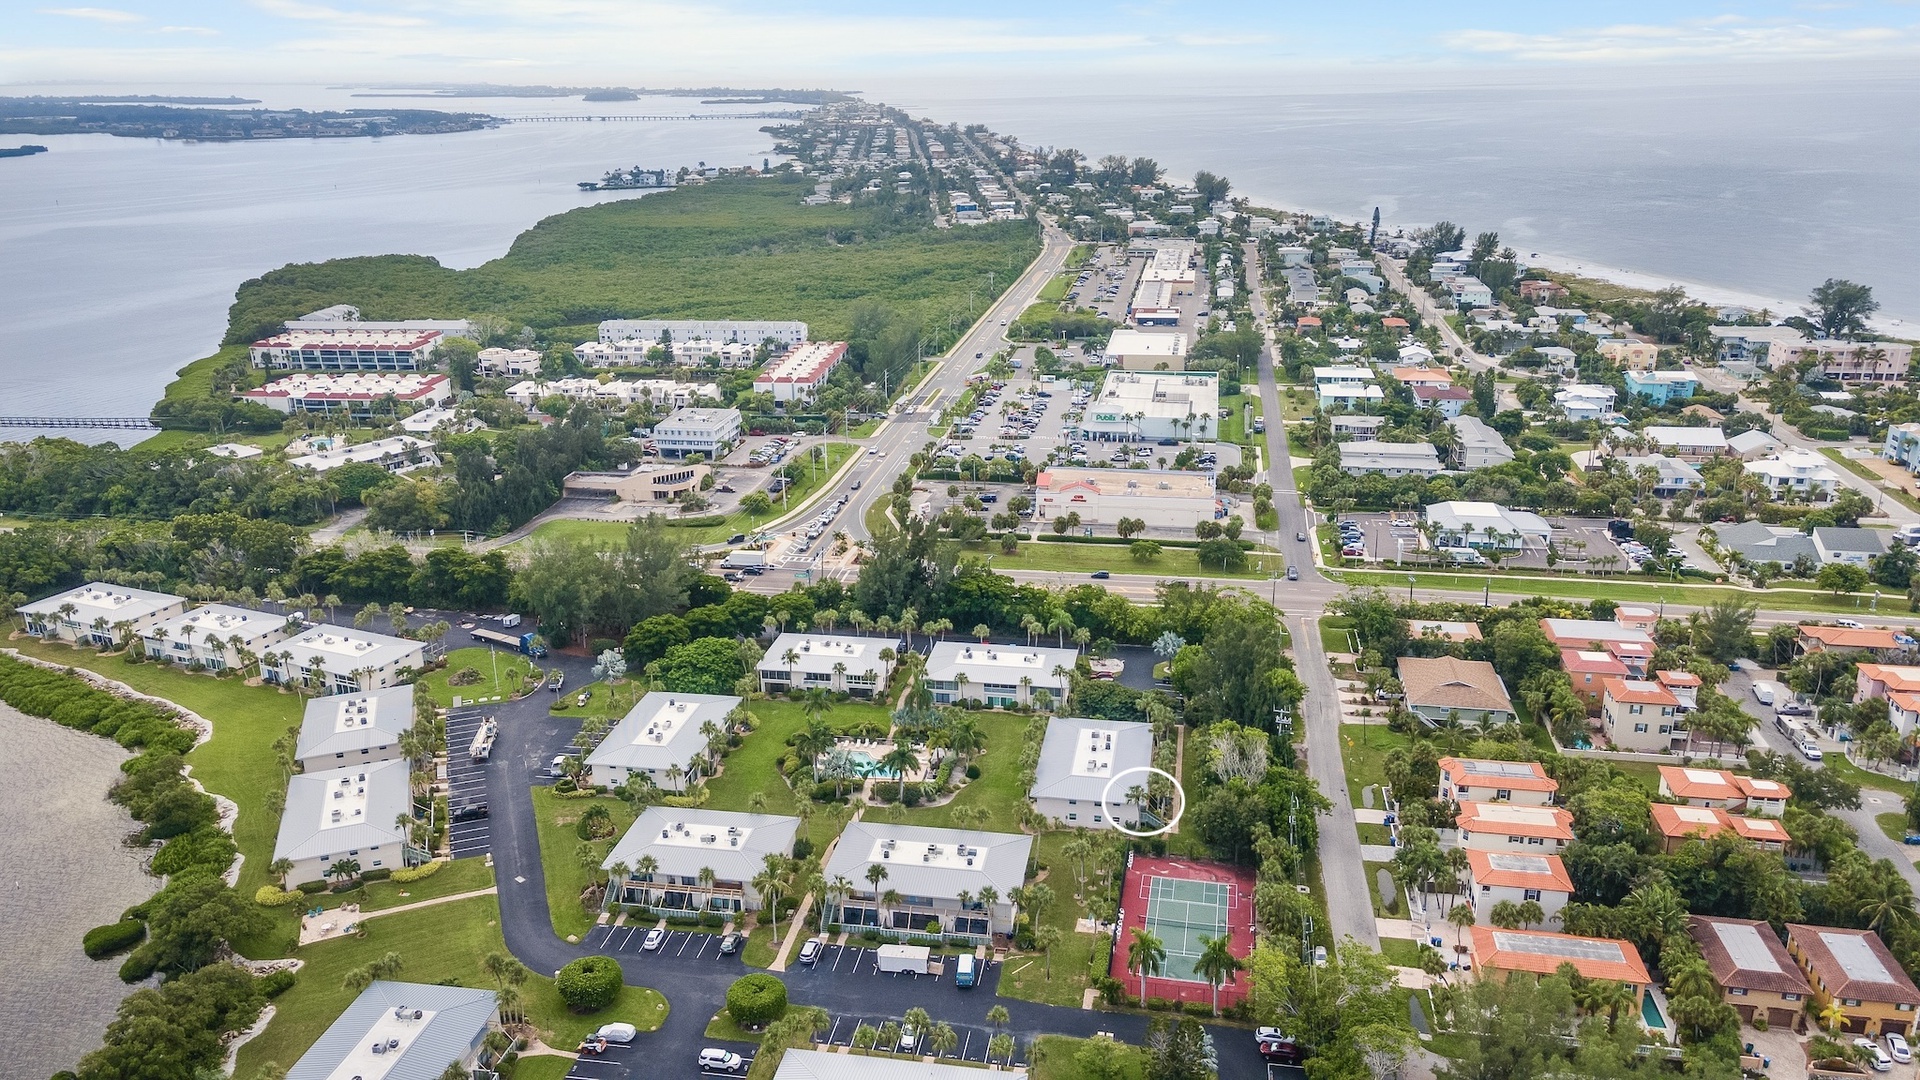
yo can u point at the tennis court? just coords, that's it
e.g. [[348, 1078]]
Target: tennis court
[[1180, 913]]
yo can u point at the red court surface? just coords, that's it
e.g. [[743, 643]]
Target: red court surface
[[1193, 892]]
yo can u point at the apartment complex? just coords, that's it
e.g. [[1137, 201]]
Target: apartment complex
[[937, 875], [350, 813], [354, 729], [215, 636], [796, 377], [998, 675], [843, 665], [712, 432], [663, 737], [1080, 760], [703, 860], [343, 660], [359, 395], [99, 614], [347, 348]]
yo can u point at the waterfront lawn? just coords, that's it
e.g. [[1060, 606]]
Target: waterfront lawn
[[502, 674], [998, 789], [1056, 1057], [238, 762], [453, 878], [440, 944], [567, 876]]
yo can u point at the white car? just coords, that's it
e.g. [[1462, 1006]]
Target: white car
[[1810, 751], [714, 1059], [656, 937], [1881, 1062], [617, 1033], [909, 1038], [1897, 1046]]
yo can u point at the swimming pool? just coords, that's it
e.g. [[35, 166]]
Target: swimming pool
[[867, 768]]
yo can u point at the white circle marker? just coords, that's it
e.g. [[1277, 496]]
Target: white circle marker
[[1106, 803]]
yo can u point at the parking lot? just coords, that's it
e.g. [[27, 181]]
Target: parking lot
[[972, 1044], [1580, 543], [689, 945], [640, 1059], [466, 784]]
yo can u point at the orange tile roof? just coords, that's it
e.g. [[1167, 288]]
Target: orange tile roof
[[1906, 701], [1760, 830], [1895, 676], [1639, 692], [1589, 661], [1677, 678], [1755, 788], [1676, 822], [1845, 637], [1542, 952], [1544, 872], [1686, 783], [1462, 770], [1506, 819]]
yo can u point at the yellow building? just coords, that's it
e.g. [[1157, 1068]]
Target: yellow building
[[1855, 969], [1756, 975]]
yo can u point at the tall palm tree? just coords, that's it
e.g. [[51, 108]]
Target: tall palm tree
[[645, 869], [1146, 956], [705, 878], [943, 1039], [900, 760], [875, 875], [770, 883], [509, 998], [1044, 939]]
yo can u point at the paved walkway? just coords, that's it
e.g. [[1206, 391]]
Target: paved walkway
[[332, 924], [1369, 815]]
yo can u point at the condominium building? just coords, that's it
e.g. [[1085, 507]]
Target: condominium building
[[396, 454], [702, 860], [509, 361], [1640, 714], [347, 348], [1362, 456], [1478, 780], [354, 729], [998, 675], [1855, 970], [360, 395], [744, 331], [1795, 471], [216, 636], [404, 1031], [664, 737], [1757, 976], [660, 393], [796, 377], [938, 876], [1088, 768], [99, 613], [844, 665], [1516, 877], [348, 813], [343, 660], [712, 432]]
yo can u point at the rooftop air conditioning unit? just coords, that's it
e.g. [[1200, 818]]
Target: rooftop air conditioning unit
[[339, 794], [927, 857], [336, 815], [666, 834], [733, 841], [969, 861], [886, 854], [379, 1047]]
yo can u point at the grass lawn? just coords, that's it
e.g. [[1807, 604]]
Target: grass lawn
[[442, 944], [793, 501], [1055, 290], [238, 762], [1645, 772], [1076, 954], [1400, 952], [1894, 825], [567, 876], [501, 675], [1364, 748], [1380, 907], [723, 1027], [1572, 587], [1082, 559], [1864, 777], [998, 789], [1056, 1057], [754, 766], [542, 1067], [1373, 834], [1336, 634]]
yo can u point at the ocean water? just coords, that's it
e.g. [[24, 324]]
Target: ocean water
[[63, 871], [1750, 186]]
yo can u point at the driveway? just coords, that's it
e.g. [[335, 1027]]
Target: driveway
[[1342, 871]]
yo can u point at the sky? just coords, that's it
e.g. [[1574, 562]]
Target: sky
[[862, 44]]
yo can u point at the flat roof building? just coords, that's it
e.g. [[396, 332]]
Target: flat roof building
[[660, 393], [799, 375], [929, 868], [215, 635], [509, 361], [998, 675], [347, 813], [684, 841], [1795, 471], [1458, 523], [357, 394], [746, 331], [1161, 498], [396, 454], [712, 432], [1148, 406], [347, 348], [1140, 350], [844, 665], [354, 729], [421, 1031], [1078, 759], [350, 660], [1363, 456], [649, 483], [99, 613], [659, 733]]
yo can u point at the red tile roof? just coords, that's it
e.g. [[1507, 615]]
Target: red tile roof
[[1542, 952]]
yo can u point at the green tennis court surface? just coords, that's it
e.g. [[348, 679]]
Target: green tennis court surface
[[1180, 912]]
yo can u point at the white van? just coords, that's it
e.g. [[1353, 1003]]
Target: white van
[[1765, 693]]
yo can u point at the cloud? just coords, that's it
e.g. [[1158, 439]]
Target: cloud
[[295, 9], [93, 14], [1722, 38], [204, 31]]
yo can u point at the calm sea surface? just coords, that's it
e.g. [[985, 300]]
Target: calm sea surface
[[121, 255], [63, 871]]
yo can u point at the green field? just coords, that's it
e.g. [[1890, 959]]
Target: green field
[[754, 765], [1055, 290], [1056, 1057], [1025, 977], [611, 532], [502, 674], [1364, 748], [1082, 559], [998, 790], [567, 876]]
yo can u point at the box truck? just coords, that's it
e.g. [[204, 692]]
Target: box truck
[[903, 958]]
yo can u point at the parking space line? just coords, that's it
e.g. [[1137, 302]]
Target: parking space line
[[631, 930]]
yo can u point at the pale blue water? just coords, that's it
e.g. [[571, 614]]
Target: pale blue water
[[122, 255], [866, 767]]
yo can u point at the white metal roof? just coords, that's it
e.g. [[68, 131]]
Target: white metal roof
[[662, 730], [346, 723], [1079, 756], [100, 600], [684, 841], [451, 1020], [334, 811], [929, 862]]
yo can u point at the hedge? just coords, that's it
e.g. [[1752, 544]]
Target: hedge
[[312, 888], [378, 874], [274, 896], [416, 873], [104, 941], [277, 983], [590, 983], [69, 702], [754, 1001]]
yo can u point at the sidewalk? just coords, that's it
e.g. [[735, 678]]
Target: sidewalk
[[336, 923]]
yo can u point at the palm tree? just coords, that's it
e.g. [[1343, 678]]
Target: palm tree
[[674, 775], [1044, 939], [998, 1017], [943, 1039], [901, 760], [1000, 1046], [918, 1022], [1461, 916], [770, 882], [344, 869], [1145, 956], [705, 878], [280, 868], [509, 999], [875, 875], [1217, 965], [645, 869]]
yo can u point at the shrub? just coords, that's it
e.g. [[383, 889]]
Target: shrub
[[104, 941], [379, 874], [787, 906], [140, 964], [415, 873], [802, 848], [466, 676], [590, 983], [277, 983], [274, 896], [757, 1000], [565, 785], [823, 792], [973, 771], [312, 888], [1198, 1008], [713, 919]]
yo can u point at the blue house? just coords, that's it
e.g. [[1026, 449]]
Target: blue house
[[1660, 387]]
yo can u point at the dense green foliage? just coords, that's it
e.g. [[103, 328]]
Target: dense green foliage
[[71, 703], [735, 248], [173, 1031], [756, 1000], [104, 941], [589, 983], [62, 478]]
